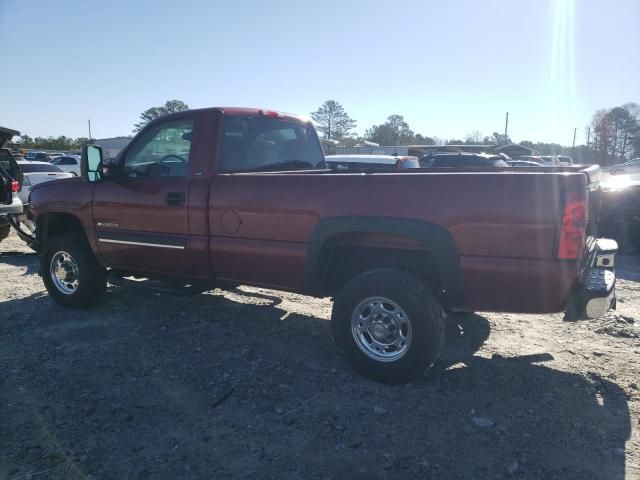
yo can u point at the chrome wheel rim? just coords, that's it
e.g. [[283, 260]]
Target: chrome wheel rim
[[64, 273], [381, 329]]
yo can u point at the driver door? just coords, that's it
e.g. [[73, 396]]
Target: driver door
[[141, 214]]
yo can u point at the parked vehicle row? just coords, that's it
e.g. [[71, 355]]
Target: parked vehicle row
[[34, 173], [370, 162], [463, 160]]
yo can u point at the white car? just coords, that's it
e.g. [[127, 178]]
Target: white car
[[68, 163], [550, 160], [370, 162], [38, 172], [632, 167], [565, 160]]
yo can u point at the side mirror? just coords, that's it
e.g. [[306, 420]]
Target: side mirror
[[91, 163], [109, 168]]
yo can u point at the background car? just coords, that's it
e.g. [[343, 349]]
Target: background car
[[550, 160], [531, 158], [522, 163], [40, 156], [632, 167], [38, 172], [370, 162], [68, 163], [462, 160], [565, 160]]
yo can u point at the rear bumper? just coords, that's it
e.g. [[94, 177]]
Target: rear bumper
[[14, 208], [595, 294]]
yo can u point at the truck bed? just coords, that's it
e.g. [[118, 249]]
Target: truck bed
[[504, 224]]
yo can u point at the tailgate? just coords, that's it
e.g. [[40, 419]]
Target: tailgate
[[594, 176]]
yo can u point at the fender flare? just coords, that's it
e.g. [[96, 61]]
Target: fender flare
[[436, 239]]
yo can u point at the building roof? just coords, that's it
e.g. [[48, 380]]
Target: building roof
[[514, 149]]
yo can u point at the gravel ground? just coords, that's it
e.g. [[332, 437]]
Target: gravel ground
[[248, 384]]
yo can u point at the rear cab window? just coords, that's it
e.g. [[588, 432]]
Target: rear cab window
[[259, 143]]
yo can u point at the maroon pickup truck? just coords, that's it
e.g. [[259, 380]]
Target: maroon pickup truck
[[226, 196]]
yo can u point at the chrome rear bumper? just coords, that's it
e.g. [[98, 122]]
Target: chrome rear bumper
[[595, 294]]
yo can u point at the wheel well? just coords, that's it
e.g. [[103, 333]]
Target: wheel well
[[341, 262], [52, 224]]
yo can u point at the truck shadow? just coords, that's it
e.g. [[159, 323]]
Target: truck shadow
[[21, 259], [237, 386], [628, 267]]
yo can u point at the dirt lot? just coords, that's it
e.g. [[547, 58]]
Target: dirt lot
[[247, 384]]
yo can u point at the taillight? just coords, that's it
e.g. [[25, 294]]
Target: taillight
[[574, 225], [15, 187]]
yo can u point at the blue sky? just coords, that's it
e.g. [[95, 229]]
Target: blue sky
[[449, 66]]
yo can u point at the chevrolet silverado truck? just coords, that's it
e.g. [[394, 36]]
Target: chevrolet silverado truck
[[228, 196]]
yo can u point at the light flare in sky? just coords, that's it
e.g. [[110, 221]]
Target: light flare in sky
[[562, 80]]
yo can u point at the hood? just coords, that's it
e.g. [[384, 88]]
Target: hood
[[6, 134], [56, 181]]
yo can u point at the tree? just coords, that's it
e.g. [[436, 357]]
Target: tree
[[152, 113], [422, 140], [546, 148], [500, 139], [474, 138], [25, 141], [395, 131], [81, 142], [615, 133], [332, 121]]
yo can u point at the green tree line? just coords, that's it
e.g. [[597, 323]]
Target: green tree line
[[60, 143], [613, 135]]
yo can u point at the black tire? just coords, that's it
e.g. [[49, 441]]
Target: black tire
[[92, 278], [425, 315]]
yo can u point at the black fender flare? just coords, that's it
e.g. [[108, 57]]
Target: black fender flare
[[436, 239]]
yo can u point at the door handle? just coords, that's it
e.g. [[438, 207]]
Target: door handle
[[175, 199]]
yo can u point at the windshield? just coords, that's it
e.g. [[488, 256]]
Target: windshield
[[253, 143]]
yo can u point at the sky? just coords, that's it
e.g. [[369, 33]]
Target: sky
[[449, 67]]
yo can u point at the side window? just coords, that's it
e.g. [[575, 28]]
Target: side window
[[162, 151], [67, 161], [256, 143]]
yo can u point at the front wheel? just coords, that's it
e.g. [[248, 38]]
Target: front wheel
[[70, 272], [388, 325]]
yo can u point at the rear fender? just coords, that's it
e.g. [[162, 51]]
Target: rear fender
[[435, 239]]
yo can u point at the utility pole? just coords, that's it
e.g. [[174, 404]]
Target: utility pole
[[588, 136], [575, 130], [89, 122], [506, 127]]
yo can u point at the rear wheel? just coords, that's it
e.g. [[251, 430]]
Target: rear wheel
[[388, 325], [70, 272]]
